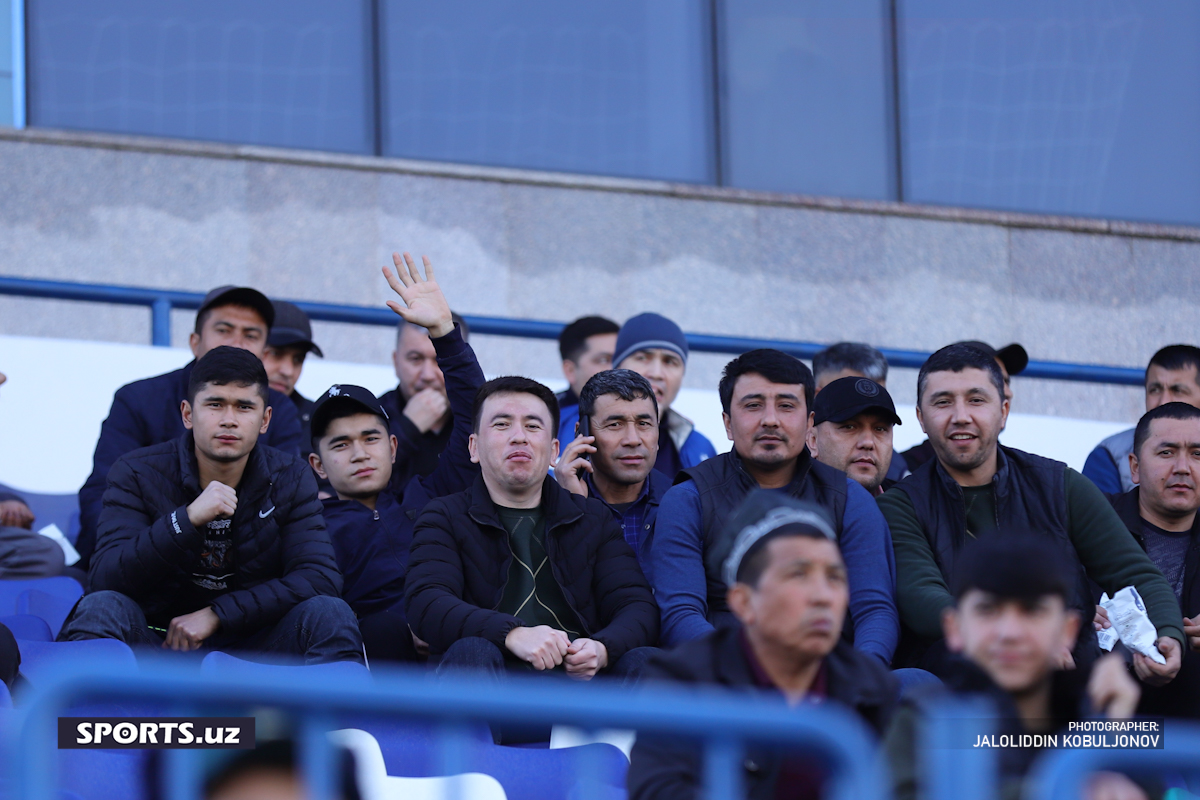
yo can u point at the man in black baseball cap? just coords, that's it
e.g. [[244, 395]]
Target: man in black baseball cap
[[288, 344], [852, 430], [147, 412], [372, 516]]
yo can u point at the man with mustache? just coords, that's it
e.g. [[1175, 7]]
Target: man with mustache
[[766, 396], [976, 487], [1160, 513], [852, 431], [517, 573]]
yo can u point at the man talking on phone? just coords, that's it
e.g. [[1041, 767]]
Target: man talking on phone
[[613, 454]]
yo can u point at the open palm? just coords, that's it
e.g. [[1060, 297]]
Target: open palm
[[424, 304]]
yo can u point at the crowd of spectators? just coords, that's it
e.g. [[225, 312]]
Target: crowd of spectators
[[493, 527]]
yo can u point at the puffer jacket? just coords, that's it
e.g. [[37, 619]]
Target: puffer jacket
[[147, 548], [460, 558]]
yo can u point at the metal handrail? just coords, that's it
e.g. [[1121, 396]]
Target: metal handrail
[[161, 301], [722, 722]]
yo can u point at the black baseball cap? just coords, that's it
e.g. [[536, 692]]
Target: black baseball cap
[[338, 395], [291, 328], [846, 398], [239, 296], [1012, 356]]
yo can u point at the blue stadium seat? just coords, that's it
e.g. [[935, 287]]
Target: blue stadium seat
[[218, 663], [53, 606], [531, 774], [5, 697], [49, 598], [105, 774], [59, 509], [38, 659], [27, 626]]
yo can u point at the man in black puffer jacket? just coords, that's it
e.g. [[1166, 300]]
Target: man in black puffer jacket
[[517, 572], [215, 541]]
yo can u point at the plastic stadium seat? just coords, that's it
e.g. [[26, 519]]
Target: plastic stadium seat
[[5, 697], [375, 784], [60, 509], [105, 774], [27, 626], [55, 599], [39, 659], [553, 774]]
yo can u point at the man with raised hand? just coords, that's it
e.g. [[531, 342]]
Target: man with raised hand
[[214, 540], [146, 412], [765, 398], [615, 463], [371, 520], [518, 573], [975, 487]]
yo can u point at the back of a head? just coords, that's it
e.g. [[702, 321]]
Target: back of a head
[[1176, 357], [956, 358], [226, 365], [774, 365], [1174, 410], [516, 384], [764, 515], [624, 383], [572, 342], [861, 359], [1019, 566]]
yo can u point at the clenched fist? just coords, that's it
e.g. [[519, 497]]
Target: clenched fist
[[543, 646], [217, 501], [189, 631], [426, 408]]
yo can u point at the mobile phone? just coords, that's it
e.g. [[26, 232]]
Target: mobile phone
[[584, 428]]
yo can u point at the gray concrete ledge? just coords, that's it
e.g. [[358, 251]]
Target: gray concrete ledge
[[313, 158]]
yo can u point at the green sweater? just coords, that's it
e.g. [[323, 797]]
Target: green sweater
[[1111, 556]]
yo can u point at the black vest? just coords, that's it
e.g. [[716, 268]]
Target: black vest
[[723, 483], [1031, 496]]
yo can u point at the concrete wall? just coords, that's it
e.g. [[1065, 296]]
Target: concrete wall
[[511, 243]]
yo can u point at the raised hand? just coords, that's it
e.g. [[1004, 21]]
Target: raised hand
[[574, 459], [424, 304]]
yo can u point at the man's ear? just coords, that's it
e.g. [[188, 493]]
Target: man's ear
[[554, 451], [266, 421], [1071, 628], [314, 461], [194, 343], [1133, 468], [185, 408], [395, 446], [951, 629], [728, 430], [569, 368], [738, 599], [811, 439], [1005, 405], [473, 449], [921, 420]]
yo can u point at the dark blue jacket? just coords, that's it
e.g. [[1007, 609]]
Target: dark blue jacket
[[372, 546], [147, 548], [146, 413]]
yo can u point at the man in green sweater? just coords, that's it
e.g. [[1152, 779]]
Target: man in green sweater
[[975, 487]]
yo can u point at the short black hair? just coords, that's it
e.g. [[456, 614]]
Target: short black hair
[[463, 328], [1166, 411], [515, 384], [224, 365], [339, 408], [624, 383], [956, 358], [853, 356], [774, 365], [572, 342], [1014, 565], [1176, 356], [203, 316]]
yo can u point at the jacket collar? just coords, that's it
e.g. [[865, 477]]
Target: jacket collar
[[1000, 481], [556, 505], [1128, 508], [804, 463], [653, 488], [679, 428], [254, 476]]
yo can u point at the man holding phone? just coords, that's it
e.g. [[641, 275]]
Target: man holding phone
[[612, 457]]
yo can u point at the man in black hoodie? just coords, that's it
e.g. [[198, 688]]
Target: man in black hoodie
[[216, 541], [789, 593], [371, 519]]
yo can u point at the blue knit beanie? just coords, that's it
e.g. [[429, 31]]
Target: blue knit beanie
[[647, 331]]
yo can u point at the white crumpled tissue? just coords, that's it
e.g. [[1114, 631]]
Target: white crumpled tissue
[[1130, 624]]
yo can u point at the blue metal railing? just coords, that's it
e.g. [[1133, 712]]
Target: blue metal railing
[[721, 722], [161, 301]]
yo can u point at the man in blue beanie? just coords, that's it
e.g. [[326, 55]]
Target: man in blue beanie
[[655, 348]]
